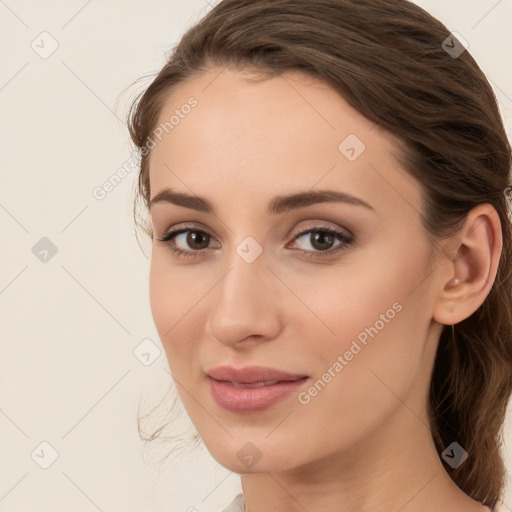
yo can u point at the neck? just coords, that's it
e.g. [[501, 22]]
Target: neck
[[388, 470]]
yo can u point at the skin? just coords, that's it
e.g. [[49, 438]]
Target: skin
[[363, 443]]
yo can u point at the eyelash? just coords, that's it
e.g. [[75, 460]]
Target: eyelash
[[347, 241]]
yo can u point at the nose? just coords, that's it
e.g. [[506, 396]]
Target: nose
[[245, 304]]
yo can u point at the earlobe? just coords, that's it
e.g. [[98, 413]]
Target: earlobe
[[473, 269]]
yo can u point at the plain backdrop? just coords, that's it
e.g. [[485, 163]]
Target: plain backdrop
[[74, 301]]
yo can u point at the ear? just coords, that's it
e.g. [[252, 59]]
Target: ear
[[471, 266]]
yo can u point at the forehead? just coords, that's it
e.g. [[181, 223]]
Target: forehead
[[249, 108], [286, 132]]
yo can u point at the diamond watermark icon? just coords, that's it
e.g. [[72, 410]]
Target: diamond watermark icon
[[147, 352], [44, 250], [454, 455], [249, 454], [44, 45], [351, 147], [249, 249], [454, 45], [44, 455]]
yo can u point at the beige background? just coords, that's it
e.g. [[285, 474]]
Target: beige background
[[68, 373]]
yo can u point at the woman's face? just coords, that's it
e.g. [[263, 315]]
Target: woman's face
[[340, 291]]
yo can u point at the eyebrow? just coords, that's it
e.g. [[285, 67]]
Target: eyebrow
[[277, 205]]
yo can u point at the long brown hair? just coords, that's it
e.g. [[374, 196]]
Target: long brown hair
[[390, 60]]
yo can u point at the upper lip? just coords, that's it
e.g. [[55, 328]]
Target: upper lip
[[251, 374]]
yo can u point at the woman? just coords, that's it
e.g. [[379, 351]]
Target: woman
[[326, 186]]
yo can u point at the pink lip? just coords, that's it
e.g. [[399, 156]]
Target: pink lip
[[251, 399]]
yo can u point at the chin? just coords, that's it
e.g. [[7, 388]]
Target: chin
[[245, 457]]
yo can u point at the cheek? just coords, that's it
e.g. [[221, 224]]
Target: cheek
[[171, 298], [372, 379], [162, 296], [362, 295], [380, 316]]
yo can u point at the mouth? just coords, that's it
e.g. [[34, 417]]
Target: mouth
[[252, 389], [255, 384]]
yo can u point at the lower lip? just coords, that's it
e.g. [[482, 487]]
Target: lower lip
[[253, 399]]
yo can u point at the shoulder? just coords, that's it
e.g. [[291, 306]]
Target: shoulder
[[237, 505]]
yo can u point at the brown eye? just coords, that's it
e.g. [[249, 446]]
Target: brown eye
[[193, 243], [321, 240], [187, 241], [324, 239], [196, 239]]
